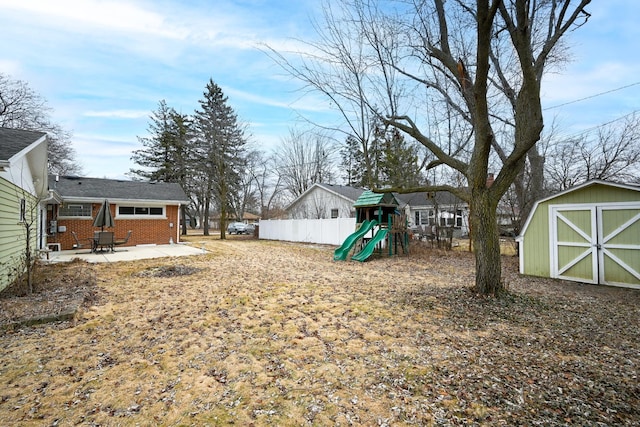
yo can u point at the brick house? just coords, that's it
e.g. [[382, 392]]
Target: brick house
[[151, 210]]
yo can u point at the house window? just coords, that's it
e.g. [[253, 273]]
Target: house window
[[23, 210], [431, 220], [141, 211], [425, 217], [75, 209], [334, 213], [459, 218]]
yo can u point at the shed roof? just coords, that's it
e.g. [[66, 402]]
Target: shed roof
[[369, 198], [588, 184], [95, 189]]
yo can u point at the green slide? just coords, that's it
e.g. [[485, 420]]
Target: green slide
[[341, 253], [368, 250]]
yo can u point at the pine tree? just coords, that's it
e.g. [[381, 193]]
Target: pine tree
[[167, 151], [393, 162], [164, 148], [220, 151], [399, 166], [352, 163]]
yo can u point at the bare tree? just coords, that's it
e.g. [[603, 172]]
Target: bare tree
[[245, 198], [613, 153], [484, 61], [304, 158], [22, 108], [268, 184]]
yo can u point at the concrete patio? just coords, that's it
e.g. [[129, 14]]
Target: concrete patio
[[126, 253]]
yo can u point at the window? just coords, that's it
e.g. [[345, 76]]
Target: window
[[140, 211], [432, 218], [334, 213], [459, 218], [23, 210], [425, 217], [447, 219], [75, 209]]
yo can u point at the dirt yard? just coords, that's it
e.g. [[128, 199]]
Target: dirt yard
[[265, 333]]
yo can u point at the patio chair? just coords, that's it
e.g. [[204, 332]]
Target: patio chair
[[78, 244], [122, 241], [104, 240]]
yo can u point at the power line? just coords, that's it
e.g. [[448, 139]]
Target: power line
[[591, 129], [592, 96]]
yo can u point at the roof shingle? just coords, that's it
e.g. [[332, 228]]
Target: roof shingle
[[98, 189], [12, 141]]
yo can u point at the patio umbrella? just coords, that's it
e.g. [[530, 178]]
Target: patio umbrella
[[104, 218]]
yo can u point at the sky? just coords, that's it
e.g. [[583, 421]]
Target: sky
[[103, 66]]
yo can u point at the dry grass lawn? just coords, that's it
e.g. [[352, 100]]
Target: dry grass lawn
[[266, 333]]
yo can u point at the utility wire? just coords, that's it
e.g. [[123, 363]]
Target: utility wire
[[592, 96], [591, 129]]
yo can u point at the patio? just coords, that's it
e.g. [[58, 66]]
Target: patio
[[128, 253]]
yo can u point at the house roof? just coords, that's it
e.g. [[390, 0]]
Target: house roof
[[13, 141], [425, 198], [97, 189], [349, 193], [354, 194]]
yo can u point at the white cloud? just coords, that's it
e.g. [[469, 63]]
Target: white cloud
[[118, 114], [12, 68], [103, 15]]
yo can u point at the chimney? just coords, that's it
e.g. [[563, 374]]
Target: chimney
[[489, 180]]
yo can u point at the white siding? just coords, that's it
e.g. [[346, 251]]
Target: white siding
[[318, 203]]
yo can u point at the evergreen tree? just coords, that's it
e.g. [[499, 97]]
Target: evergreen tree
[[167, 151], [398, 161], [352, 164], [163, 148], [393, 162], [220, 144]]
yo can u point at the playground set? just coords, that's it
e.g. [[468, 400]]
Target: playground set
[[379, 226]]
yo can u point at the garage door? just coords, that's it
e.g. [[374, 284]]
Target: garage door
[[596, 243]]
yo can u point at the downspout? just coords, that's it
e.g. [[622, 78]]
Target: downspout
[[177, 226]]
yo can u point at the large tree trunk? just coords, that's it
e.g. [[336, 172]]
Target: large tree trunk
[[207, 205], [223, 211], [486, 244]]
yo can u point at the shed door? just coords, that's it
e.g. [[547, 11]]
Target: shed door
[[596, 244], [619, 245], [574, 252]]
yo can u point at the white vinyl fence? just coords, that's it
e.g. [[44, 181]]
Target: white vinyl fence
[[324, 231]]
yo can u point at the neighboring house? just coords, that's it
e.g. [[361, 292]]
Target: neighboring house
[[440, 209], [322, 201], [589, 233], [23, 188], [422, 209], [149, 209]]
